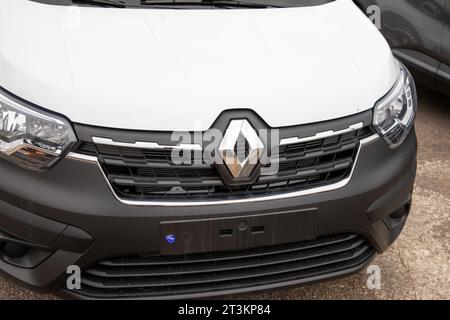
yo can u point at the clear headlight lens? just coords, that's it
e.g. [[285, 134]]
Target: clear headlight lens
[[394, 114], [32, 138]]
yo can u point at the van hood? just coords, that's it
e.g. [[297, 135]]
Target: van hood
[[159, 69]]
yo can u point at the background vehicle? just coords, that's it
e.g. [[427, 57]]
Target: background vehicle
[[419, 33]]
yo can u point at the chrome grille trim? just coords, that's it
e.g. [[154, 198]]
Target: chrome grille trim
[[322, 135], [176, 203], [283, 142], [145, 145]]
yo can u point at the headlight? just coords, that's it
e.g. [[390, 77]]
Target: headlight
[[32, 138], [394, 114]]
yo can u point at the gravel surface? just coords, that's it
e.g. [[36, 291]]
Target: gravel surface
[[417, 264]]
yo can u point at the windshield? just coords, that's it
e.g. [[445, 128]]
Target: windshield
[[186, 4]]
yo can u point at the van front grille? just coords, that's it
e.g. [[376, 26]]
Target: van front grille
[[159, 276], [150, 174]]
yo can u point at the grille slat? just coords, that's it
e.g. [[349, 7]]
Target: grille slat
[[153, 182], [299, 155], [223, 266], [142, 174], [326, 168], [165, 276], [117, 161], [205, 290], [261, 271]]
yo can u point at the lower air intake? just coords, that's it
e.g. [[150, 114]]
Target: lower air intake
[[206, 274]]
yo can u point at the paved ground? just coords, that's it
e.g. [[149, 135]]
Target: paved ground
[[417, 266]]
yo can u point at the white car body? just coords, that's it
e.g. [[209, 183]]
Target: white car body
[[163, 69]]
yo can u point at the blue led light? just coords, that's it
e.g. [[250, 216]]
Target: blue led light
[[171, 239]]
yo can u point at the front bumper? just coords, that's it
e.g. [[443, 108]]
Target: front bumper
[[69, 215]]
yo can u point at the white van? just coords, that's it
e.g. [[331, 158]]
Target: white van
[[186, 149]]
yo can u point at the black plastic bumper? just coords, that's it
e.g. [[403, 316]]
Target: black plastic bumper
[[69, 216]]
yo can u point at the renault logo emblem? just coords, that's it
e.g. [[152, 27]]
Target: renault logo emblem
[[241, 148]]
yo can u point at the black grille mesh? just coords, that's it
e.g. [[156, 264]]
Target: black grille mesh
[[141, 174], [164, 276]]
